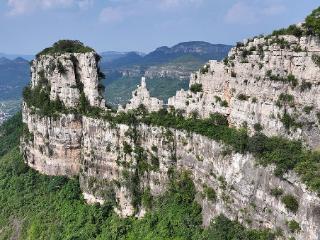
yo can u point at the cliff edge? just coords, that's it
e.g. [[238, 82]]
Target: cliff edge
[[235, 132]]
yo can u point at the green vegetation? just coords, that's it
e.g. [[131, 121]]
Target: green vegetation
[[290, 122], [276, 192], [291, 30], [312, 23], [308, 109], [218, 119], [204, 69], [316, 60], [210, 193], [285, 99], [224, 103], [290, 202], [290, 79], [310, 27], [293, 226], [10, 132], [35, 207], [65, 46], [196, 87], [242, 97], [257, 127], [39, 97], [305, 86], [224, 229], [280, 42]]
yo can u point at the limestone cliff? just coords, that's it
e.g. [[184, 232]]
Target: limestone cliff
[[67, 74], [141, 96], [267, 84]]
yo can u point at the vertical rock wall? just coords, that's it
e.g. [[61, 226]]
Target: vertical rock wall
[[66, 74], [243, 189]]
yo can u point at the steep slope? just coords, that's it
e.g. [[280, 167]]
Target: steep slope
[[132, 156]]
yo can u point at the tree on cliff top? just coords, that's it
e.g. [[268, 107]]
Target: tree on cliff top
[[66, 46], [313, 22]]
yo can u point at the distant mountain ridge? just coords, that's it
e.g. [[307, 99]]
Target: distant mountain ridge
[[14, 75], [198, 49], [167, 68], [15, 56]]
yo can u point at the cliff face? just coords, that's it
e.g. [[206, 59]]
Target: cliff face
[[109, 169], [123, 162], [55, 145], [66, 73], [268, 82]]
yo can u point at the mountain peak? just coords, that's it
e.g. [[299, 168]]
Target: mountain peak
[[4, 60]]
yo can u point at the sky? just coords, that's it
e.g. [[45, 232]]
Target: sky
[[28, 26]]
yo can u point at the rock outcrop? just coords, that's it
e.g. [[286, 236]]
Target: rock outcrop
[[67, 74], [270, 83], [266, 84], [141, 96]]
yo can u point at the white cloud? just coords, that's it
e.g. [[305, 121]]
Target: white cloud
[[119, 10], [176, 3], [250, 12], [19, 7], [112, 14], [274, 10], [241, 13]]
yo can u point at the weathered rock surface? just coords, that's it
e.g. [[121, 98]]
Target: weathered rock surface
[[75, 69], [141, 96], [115, 161], [243, 189], [55, 148], [263, 82]]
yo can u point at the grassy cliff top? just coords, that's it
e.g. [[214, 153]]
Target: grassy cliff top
[[66, 46]]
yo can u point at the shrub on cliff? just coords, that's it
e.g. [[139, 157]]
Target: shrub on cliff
[[291, 30], [66, 46], [312, 23], [196, 87], [293, 226], [39, 98], [290, 202]]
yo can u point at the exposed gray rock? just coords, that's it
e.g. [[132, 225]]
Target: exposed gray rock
[[249, 74], [141, 96], [78, 68], [105, 155]]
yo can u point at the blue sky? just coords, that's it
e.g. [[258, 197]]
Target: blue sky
[[27, 26]]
